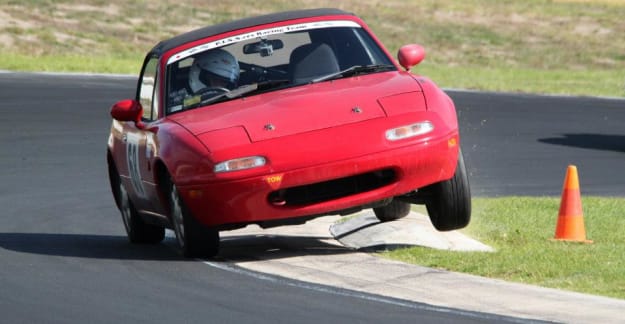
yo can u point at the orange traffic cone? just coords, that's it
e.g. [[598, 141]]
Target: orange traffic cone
[[570, 225]]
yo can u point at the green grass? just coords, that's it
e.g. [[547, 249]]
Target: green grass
[[610, 83], [596, 83], [521, 230], [69, 63], [534, 46]]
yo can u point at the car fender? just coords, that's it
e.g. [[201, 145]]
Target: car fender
[[438, 101], [184, 156]]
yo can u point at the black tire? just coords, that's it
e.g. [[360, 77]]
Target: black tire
[[137, 230], [195, 240], [449, 202], [394, 210]]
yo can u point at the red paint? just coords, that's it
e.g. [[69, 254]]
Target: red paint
[[319, 132]]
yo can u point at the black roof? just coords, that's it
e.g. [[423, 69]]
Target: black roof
[[208, 31]]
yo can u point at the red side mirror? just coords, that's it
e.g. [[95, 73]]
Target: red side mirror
[[127, 110], [410, 55]]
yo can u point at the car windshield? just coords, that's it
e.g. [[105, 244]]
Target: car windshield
[[269, 60]]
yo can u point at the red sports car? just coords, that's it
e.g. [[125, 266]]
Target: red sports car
[[278, 119]]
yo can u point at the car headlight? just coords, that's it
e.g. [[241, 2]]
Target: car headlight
[[240, 164], [409, 131]]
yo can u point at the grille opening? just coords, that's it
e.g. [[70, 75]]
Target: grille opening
[[333, 189]]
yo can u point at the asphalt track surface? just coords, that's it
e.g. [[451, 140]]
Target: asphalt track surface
[[522, 144], [64, 256]]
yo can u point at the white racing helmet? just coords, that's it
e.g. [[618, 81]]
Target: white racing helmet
[[214, 64]]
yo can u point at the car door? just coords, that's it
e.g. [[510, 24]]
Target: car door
[[140, 140]]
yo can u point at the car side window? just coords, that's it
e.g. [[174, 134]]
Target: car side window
[[147, 92]]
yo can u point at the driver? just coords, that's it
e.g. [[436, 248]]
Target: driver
[[216, 71], [211, 73]]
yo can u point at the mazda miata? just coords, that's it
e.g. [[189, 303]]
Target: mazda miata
[[278, 119]]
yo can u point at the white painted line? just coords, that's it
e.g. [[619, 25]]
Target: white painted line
[[225, 266]]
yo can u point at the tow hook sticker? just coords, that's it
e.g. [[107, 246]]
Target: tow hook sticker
[[274, 181]]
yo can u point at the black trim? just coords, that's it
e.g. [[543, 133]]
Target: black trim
[[208, 31], [332, 189]]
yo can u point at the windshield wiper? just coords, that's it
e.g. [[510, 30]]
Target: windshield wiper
[[231, 94], [356, 69]]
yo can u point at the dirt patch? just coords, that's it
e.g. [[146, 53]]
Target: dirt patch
[[109, 9]]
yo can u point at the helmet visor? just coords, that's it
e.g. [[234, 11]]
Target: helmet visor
[[213, 80]]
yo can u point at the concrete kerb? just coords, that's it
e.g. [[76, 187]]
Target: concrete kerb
[[310, 253], [365, 232]]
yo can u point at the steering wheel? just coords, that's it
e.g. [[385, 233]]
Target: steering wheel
[[260, 71], [217, 90]]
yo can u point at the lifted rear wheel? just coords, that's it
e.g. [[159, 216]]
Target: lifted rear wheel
[[449, 202], [194, 239], [396, 209]]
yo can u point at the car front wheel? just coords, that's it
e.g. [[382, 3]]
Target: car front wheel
[[194, 239], [449, 202]]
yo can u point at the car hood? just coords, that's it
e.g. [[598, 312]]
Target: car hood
[[310, 107]]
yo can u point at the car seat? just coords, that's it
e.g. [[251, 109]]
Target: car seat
[[311, 61]]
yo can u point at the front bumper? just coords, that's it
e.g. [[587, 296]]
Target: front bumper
[[258, 199]]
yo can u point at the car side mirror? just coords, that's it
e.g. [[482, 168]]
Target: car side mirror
[[128, 110], [410, 55]]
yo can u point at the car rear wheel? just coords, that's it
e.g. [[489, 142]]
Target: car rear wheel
[[394, 210], [449, 202], [137, 230], [194, 239]]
